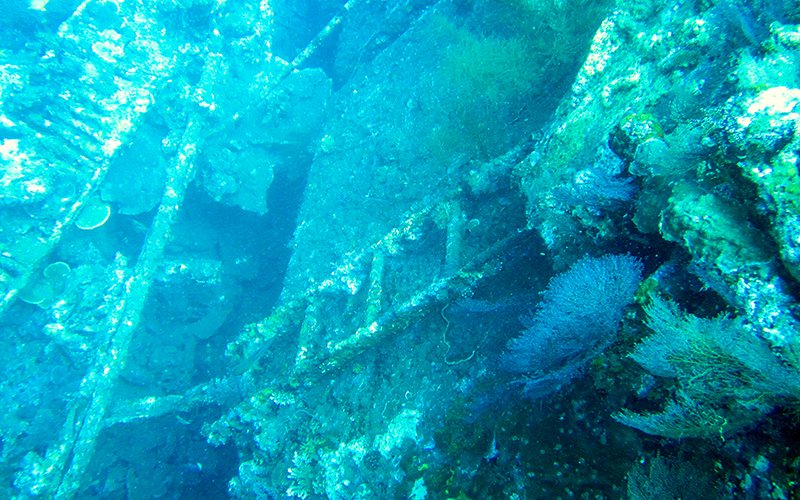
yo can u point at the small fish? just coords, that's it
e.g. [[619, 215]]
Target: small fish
[[38, 5], [493, 452]]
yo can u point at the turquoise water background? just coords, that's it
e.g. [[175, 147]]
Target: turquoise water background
[[417, 249]]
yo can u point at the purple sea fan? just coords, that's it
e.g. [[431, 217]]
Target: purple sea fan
[[577, 320]]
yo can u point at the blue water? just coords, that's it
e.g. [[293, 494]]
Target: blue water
[[424, 249]]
